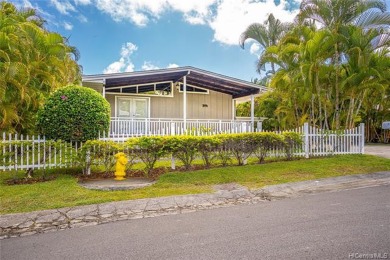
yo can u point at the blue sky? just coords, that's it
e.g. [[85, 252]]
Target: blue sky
[[133, 35]]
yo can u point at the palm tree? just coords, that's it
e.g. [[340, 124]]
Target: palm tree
[[33, 63], [267, 34], [335, 15]]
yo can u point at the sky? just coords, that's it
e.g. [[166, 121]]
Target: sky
[[134, 35]]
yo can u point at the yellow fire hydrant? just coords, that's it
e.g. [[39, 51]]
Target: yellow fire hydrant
[[120, 166]]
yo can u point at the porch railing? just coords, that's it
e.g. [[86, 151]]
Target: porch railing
[[127, 127]]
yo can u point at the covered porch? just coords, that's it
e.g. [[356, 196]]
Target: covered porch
[[175, 101], [129, 127]]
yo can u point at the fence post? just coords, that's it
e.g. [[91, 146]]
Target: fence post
[[361, 133], [306, 138], [88, 163], [173, 128], [259, 126], [173, 165]]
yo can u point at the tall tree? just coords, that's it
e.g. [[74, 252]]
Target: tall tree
[[33, 63], [266, 34], [335, 15]]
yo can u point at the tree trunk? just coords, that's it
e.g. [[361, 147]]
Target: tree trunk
[[337, 89]]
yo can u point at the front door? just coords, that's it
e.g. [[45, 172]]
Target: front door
[[132, 107], [132, 115]]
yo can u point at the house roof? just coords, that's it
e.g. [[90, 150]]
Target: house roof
[[197, 77]]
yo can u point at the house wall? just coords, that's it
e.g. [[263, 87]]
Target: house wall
[[219, 105]]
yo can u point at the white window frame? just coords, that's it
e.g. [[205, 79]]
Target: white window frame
[[191, 92], [141, 94], [131, 97]]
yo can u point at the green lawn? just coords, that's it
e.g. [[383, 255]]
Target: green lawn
[[64, 191]]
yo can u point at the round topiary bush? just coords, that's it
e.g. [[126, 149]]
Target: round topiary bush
[[74, 113]]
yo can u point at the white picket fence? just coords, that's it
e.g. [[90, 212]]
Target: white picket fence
[[320, 142], [18, 152]]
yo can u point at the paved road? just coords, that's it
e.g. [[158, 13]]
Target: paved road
[[382, 150], [329, 225]]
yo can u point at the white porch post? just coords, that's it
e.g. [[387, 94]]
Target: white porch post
[[233, 109], [104, 96], [252, 112], [185, 102], [104, 88]]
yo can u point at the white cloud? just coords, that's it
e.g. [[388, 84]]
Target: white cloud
[[149, 66], [227, 18], [82, 2], [233, 17], [255, 47], [63, 7], [195, 11], [82, 18], [140, 12], [68, 26], [124, 64], [136, 11], [172, 65]]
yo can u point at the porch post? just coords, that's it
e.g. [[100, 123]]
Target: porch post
[[252, 112], [233, 109], [104, 88], [185, 102]]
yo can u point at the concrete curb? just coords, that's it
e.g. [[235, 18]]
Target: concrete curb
[[23, 224], [296, 189]]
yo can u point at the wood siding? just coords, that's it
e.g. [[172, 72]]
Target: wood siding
[[219, 105]]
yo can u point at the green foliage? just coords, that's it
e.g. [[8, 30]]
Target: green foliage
[[264, 142], [100, 152], [184, 148], [240, 145], [33, 63], [74, 113], [292, 143], [206, 146], [150, 149], [333, 76]]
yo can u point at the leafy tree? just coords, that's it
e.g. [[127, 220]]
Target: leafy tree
[[335, 15], [33, 63], [74, 113], [335, 75]]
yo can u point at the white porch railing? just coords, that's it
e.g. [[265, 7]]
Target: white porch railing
[[126, 127]]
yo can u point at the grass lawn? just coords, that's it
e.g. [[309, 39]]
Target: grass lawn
[[64, 191]]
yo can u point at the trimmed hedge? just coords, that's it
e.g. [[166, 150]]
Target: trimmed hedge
[[74, 113], [186, 148]]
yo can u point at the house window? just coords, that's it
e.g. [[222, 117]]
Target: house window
[[132, 107], [161, 89], [193, 89]]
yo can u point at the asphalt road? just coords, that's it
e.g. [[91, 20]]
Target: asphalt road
[[334, 225]]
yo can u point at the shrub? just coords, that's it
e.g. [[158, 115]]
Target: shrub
[[224, 153], [99, 152], [240, 145], [74, 113], [149, 150], [206, 146], [292, 143], [184, 148], [264, 142]]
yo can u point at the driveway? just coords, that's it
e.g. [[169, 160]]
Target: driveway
[[347, 224], [382, 150]]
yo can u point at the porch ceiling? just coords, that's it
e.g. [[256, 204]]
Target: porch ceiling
[[205, 79]]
